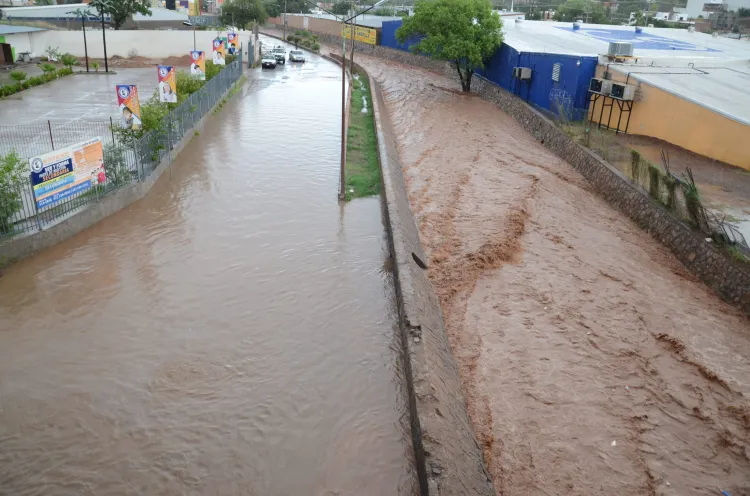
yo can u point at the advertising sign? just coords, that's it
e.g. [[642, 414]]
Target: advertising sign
[[198, 64], [167, 84], [63, 173], [219, 53], [365, 35], [234, 43], [130, 107]]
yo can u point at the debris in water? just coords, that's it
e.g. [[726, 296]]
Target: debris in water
[[614, 443]]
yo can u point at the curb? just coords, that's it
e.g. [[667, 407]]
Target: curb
[[449, 460]]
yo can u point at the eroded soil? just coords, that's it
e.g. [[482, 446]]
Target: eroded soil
[[592, 361]]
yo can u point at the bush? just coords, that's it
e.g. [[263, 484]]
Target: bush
[[115, 166], [10, 89], [12, 178], [65, 71], [95, 64], [18, 75], [48, 68], [316, 47], [68, 60]]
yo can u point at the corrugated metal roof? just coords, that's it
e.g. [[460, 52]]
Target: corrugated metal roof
[[6, 29]]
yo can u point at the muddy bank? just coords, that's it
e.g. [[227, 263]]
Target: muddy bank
[[592, 361]]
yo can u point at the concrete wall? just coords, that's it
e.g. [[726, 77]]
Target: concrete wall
[[151, 44], [666, 116], [314, 24], [449, 460]]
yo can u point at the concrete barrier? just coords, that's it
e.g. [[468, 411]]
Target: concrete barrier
[[449, 459]]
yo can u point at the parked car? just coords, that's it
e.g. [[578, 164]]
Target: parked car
[[296, 56], [268, 61]]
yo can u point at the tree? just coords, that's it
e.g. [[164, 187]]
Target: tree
[[121, 10], [240, 13], [463, 32], [589, 11], [341, 8], [275, 8]]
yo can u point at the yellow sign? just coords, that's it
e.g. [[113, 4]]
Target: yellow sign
[[365, 35]]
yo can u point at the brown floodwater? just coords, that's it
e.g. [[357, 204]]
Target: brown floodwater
[[232, 333], [592, 361]]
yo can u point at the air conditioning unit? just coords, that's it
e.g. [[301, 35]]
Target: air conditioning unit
[[522, 73], [620, 49], [622, 91], [601, 86]]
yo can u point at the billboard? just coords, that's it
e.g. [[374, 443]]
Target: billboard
[[68, 171], [167, 84], [234, 43], [219, 52], [198, 64], [130, 107], [365, 35]]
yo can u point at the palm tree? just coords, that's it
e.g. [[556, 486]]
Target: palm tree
[[83, 14]]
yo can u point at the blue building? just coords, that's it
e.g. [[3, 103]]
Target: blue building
[[558, 82]]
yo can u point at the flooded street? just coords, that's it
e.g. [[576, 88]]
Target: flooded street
[[592, 361], [232, 333]]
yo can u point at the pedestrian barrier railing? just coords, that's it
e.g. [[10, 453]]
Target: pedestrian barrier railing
[[127, 159]]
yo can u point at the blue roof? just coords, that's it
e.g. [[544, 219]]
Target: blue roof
[[6, 29]]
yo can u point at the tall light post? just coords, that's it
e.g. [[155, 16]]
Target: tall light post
[[187, 23], [83, 14], [103, 6]]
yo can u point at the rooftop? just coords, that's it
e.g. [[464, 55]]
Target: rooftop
[[593, 39], [717, 85], [7, 29], [62, 12], [366, 20]]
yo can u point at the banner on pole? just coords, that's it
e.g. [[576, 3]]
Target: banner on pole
[[68, 171], [167, 84], [234, 43], [219, 52], [198, 64], [130, 107]]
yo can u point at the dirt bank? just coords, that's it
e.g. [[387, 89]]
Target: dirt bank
[[592, 361]]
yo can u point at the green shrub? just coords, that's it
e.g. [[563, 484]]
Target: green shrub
[[68, 60], [95, 64], [18, 75], [187, 84], [65, 71], [115, 166], [211, 70], [315, 46], [48, 68], [10, 89], [12, 178]]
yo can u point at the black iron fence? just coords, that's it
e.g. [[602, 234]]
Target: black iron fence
[[127, 159]]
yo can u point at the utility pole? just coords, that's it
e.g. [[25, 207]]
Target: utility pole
[[342, 174], [104, 37], [284, 20]]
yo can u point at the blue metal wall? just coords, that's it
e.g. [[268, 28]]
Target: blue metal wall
[[388, 36], [570, 93]]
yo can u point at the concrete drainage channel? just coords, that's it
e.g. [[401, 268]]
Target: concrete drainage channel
[[448, 457]]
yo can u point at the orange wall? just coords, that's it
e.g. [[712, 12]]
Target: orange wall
[[314, 24], [662, 115]]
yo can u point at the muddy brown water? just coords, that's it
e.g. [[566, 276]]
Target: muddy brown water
[[232, 333], [592, 361]]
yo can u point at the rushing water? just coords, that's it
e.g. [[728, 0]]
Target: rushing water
[[231, 333]]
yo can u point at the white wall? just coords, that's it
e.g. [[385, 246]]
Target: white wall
[[21, 42], [150, 44]]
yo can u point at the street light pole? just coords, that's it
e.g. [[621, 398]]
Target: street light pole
[[188, 23], [284, 20]]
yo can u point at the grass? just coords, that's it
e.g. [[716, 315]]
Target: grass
[[362, 165], [737, 255]]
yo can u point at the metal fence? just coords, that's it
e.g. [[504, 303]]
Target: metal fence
[[127, 160]]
